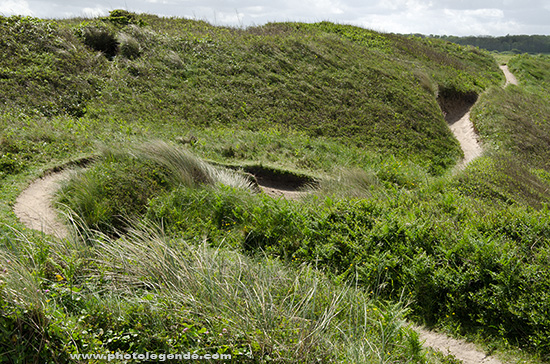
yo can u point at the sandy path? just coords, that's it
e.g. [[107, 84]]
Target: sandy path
[[34, 207], [464, 131], [278, 193], [462, 350], [510, 78]]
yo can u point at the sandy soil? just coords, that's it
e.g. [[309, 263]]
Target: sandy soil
[[34, 207], [463, 129], [278, 192], [462, 350], [510, 78]]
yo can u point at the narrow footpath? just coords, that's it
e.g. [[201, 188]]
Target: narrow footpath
[[463, 129], [34, 207]]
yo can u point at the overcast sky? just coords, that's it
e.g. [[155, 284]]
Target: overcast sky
[[450, 17]]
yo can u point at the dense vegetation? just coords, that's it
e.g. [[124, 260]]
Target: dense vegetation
[[173, 247], [510, 43]]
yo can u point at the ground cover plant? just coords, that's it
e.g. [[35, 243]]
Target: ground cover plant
[[176, 248]]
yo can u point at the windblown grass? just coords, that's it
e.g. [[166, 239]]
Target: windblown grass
[[214, 300], [190, 170]]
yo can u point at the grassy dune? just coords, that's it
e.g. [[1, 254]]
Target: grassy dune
[[174, 248]]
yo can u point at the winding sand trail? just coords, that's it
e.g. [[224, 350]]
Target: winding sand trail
[[463, 129], [34, 209]]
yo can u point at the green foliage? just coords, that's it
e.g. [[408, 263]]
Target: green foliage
[[181, 72], [122, 17], [532, 69], [132, 294], [514, 125], [458, 265], [108, 195], [10, 164], [43, 68], [118, 187]]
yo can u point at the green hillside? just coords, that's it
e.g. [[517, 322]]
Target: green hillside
[[340, 82], [173, 248]]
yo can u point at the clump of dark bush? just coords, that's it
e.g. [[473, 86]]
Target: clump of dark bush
[[100, 38], [103, 36]]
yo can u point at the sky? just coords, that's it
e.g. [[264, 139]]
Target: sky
[[444, 17]]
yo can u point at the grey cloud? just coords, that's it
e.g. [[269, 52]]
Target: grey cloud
[[462, 17]]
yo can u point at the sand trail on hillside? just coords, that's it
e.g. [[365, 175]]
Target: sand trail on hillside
[[510, 78], [462, 127], [34, 206], [463, 130]]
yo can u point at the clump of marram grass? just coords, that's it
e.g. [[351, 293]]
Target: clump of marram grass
[[356, 182], [190, 170], [129, 47], [17, 283]]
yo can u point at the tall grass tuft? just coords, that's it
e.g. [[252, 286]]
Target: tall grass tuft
[[190, 170], [17, 283], [356, 182]]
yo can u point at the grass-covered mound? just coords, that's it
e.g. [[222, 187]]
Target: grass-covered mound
[[369, 89]]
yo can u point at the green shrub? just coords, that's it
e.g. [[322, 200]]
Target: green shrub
[[122, 17], [108, 194]]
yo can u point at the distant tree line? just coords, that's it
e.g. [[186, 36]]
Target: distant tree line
[[508, 43]]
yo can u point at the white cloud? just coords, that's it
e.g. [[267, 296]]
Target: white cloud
[[422, 17], [457, 17], [15, 7], [94, 12]]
